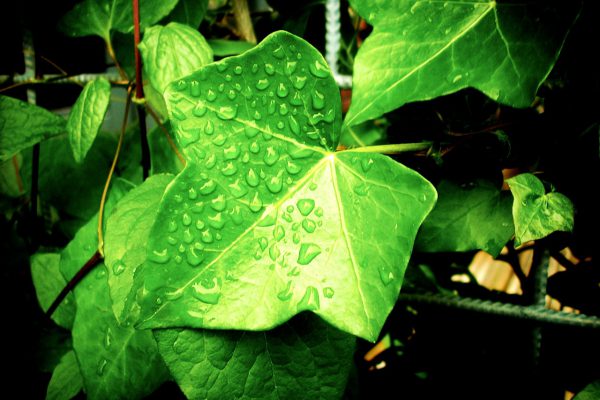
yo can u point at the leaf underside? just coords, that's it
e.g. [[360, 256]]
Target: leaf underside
[[266, 220], [420, 50]]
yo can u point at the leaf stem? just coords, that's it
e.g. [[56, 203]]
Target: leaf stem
[[167, 134], [110, 174], [392, 148], [113, 56]]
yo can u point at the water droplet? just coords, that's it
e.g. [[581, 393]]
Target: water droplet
[[280, 125], [222, 66], [263, 242], [328, 292], [118, 267], [296, 100], [216, 221], [160, 257], [172, 226], [208, 187], [200, 224], [178, 114], [318, 100], [251, 132], [171, 240], [294, 125], [228, 78], [271, 107], [385, 275], [238, 69], [279, 53], [211, 161], [257, 115], [181, 248], [318, 69], [187, 236], [236, 215], [231, 95], [269, 69], [194, 256], [211, 95], [207, 291], [290, 67], [199, 109], [287, 293], [209, 128], [275, 184], [262, 84], [361, 189], [108, 338], [251, 178], [310, 300], [254, 148], [219, 140], [305, 206], [186, 219], [296, 237], [207, 236], [308, 252], [274, 252], [218, 203], [278, 233], [257, 255], [254, 68], [245, 157], [101, 366], [237, 189], [287, 217], [181, 84], [271, 156], [366, 164], [256, 203], [227, 112], [229, 169], [309, 225], [282, 90], [319, 212]]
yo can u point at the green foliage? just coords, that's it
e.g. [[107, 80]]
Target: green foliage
[[423, 49], [162, 50], [266, 184], [66, 380], [224, 48], [304, 358], [590, 392], [86, 117], [537, 213], [366, 134], [468, 216], [188, 12], [22, 125]]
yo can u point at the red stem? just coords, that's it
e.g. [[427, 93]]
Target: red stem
[[139, 88]]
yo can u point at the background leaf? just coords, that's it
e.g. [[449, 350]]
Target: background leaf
[[86, 117], [265, 222], [48, 283], [468, 216], [22, 125], [224, 48], [304, 358], [66, 380], [162, 157], [536, 213], [171, 52], [590, 392], [188, 12], [423, 49]]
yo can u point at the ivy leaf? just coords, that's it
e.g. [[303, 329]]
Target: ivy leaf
[[420, 50], [86, 117], [22, 125], [48, 283], [188, 12], [305, 357], [127, 232], [171, 52], [535, 212], [266, 221], [473, 216], [116, 361], [100, 17], [66, 380]]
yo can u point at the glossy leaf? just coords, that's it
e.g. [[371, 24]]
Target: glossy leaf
[[171, 52], [48, 283], [127, 232], [304, 358], [116, 361], [536, 213], [423, 49], [224, 48], [189, 12], [86, 116], [66, 380], [22, 125], [471, 216], [100, 17], [266, 221]]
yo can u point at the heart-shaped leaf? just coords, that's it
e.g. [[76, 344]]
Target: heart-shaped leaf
[[266, 220], [423, 49], [535, 212]]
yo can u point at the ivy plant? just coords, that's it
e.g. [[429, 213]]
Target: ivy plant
[[269, 229]]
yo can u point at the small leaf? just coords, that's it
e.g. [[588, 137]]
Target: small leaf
[[22, 125], [305, 358], [590, 392], [265, 221], [86, 117], [420, 50], [127, 232], [116, 361], [48, 283], [535, 212], [163, 50], [66, 380], [224, 48], [100, 17], [188, 12], [473, 216]]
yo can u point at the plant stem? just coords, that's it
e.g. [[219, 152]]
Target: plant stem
[[113, 56], [166, 132], [35, 168], [139, 92], [392, 148], [141, 111], [243, 21], [110, 174]]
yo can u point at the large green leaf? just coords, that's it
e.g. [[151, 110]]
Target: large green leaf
[[468, 216], [86, 117], [536, 213], [189, 12], [48, 283], [305, 358], [22, 125], [423, 49], [127, 232], [100, 17], [116, 361], [66, 380], [171, 52], [266, 221]]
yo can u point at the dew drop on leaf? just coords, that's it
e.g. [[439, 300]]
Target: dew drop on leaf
[[282, 90], [208, 187], [263, 242], [238, 70], [279, 53], [231, 152], [305, 206], [256, 203], [252, 178], [160, 257], [271, 156], [328, 292], [308, 252], [318, 69], [211, 95], [216, 221], [318, 100], [275, 184], [227, 112], [361, 189], [310, 300], [309, 225], [287, 293], [187, 236], [262, 84], [207, 291], [279, 233], [194, 256], [101, 366], [274, 252], [299, 82], [200, 109], [108, 338], [229, 169], [118, 267]]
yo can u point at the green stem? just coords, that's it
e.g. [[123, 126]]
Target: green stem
[[392, 148]]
